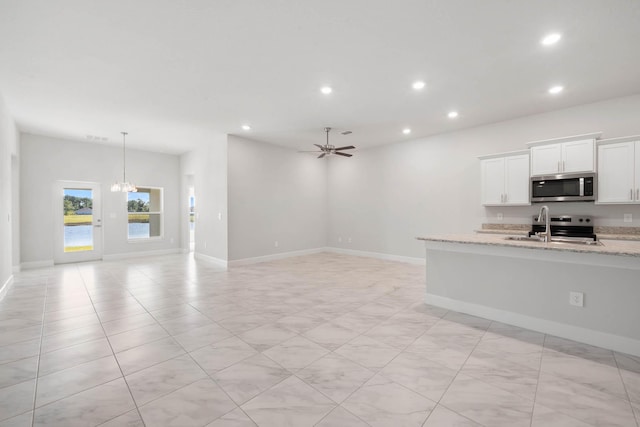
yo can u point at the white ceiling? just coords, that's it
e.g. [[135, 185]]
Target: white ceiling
[[172, 73]]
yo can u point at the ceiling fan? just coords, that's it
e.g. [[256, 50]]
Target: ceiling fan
[[328, 149]]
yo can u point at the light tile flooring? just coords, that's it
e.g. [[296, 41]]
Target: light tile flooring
[[324, 340]]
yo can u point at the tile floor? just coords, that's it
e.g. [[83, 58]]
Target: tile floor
[[322, 340]]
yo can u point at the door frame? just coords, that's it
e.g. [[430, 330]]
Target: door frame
[[59, 255]]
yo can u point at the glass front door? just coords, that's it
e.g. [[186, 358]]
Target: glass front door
[[79, 223]]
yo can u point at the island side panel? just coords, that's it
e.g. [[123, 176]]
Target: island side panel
[[535, 294]]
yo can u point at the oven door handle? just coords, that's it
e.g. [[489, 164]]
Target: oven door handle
[[581, 186]]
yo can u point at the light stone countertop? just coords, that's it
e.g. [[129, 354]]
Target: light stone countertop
[[603, 233], [611, 247]]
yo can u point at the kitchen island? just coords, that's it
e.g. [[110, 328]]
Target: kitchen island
[[528, 284]]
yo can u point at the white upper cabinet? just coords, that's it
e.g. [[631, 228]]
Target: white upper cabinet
[[505, 179], [619, 170], [563, 157]]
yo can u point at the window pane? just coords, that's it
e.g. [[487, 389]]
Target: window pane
[[78, 219], [143, 226], [138, 202], [145, 213]]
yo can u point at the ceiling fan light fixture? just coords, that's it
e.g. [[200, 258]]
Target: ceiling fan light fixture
[[418, 85], [330, 150], [326, 90]]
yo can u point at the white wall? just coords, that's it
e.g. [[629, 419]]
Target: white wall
[[208, 166], [45, 160], [275, 194], [382, 198], [8, 149]]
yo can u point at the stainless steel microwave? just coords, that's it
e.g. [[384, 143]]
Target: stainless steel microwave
[[568, 187]]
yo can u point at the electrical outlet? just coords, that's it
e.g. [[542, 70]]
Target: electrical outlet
[[500, 216], [219, 216], [576, 299], [276, 244], [628, 218]]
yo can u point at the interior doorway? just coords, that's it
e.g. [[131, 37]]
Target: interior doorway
[[78, 222]]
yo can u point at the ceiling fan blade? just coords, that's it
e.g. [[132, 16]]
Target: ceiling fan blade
[[349, 147], [309, 151], [343, 154], [319, 146], [322, 155]]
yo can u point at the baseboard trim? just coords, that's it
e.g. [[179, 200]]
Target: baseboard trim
[[36, 264], [378, 255], [208, 258], [575, 333], [273, 257], [127, 255], [5, 287]]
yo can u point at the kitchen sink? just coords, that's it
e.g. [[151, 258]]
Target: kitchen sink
[[524, 238], [557, 240]]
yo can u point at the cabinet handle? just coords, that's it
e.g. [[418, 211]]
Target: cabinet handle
[[638, 194], [501, 198], [559, 170], [564, 167], [631, 194], [505, 198]]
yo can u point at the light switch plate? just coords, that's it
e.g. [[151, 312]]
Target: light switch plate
[[628, 217], [500, 216]]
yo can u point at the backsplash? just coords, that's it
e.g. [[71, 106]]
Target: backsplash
[[603, 215]]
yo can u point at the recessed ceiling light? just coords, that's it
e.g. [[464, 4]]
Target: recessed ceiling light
[[551, 39], [326, 90], [246, 127], [406, 131], [452, 114], [419, 85], [556, 89]]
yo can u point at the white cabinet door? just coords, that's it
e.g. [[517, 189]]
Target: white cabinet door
[[492, 181], [545, 159], [565, 157], [616, 172], [577, 156], [505, 180], [517, 180]]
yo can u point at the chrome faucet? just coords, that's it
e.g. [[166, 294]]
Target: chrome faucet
[[546, 236]]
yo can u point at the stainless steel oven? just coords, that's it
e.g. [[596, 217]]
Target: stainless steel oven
[[574, 187]]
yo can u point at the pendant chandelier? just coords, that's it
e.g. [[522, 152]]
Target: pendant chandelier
[[124, 186]]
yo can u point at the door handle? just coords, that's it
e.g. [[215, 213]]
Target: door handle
[[97, 225]]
